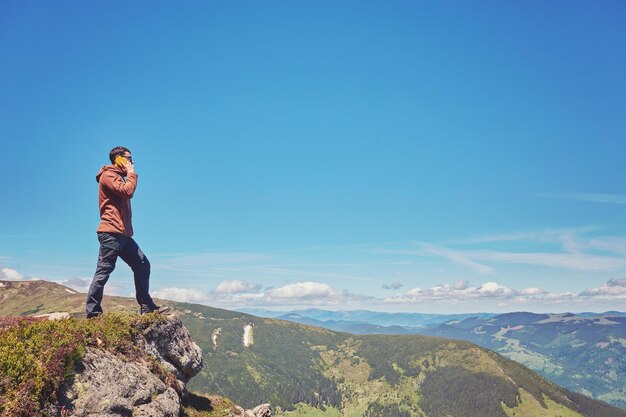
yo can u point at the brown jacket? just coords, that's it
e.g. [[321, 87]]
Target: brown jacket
[[114, 200]]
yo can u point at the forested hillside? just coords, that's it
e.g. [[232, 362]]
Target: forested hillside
[[309, 371]]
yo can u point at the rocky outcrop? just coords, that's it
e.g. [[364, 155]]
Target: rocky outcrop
[[106, 385], [262, 410], [171, 344], [151, 385]]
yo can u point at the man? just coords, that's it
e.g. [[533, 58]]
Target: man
[[118, 182]]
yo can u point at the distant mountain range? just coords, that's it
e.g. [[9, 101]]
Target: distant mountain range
[[308, 371], [411, 322], [584, 352]]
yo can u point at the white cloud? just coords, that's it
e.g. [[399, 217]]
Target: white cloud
[[559, 296], [183, 295], [495, 289], [460, 285], [457, 292], [533, 291], [235, 286], [612, 291], [11, 275], [302, 291], [311, 293], [78, 284]]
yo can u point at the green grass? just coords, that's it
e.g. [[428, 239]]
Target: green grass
[[305, 410], [37, 355], [21, 298], [528, 406], [207, 406], [534, 360]]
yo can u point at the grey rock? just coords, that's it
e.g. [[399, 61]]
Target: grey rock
[[172, 345], [166, 405], [54, 316], [106, 385], [171, 341], [263, 410]]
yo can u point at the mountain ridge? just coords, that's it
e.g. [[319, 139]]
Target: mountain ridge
[[310, 371], [591, 364]]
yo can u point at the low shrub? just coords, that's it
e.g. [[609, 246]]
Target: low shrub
[[37, 355]]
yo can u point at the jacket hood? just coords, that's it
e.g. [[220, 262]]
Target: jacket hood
[[113, 168]]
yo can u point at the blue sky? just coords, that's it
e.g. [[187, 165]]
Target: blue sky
[[396, 156]]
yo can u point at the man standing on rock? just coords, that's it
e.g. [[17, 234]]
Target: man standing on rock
[[118, 182]]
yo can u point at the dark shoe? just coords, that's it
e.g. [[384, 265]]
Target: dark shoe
[[145, 309]]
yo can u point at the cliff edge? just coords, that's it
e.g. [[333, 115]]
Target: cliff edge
[[114, 365]]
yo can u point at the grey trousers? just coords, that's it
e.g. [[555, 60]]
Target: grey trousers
[[113, 245]]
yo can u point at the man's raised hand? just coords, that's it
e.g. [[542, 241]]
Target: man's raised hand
[[129, 167]]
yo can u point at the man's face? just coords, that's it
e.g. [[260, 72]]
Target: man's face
[[128, 157]]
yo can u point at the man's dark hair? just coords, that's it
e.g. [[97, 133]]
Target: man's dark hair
[[117, 151]]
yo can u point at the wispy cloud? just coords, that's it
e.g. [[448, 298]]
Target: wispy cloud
[[429, 250], [576, 253], [572, 261], [548, 235], [589, 197], [609, 244], [299, 273], [394, 286], [458, 257]]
